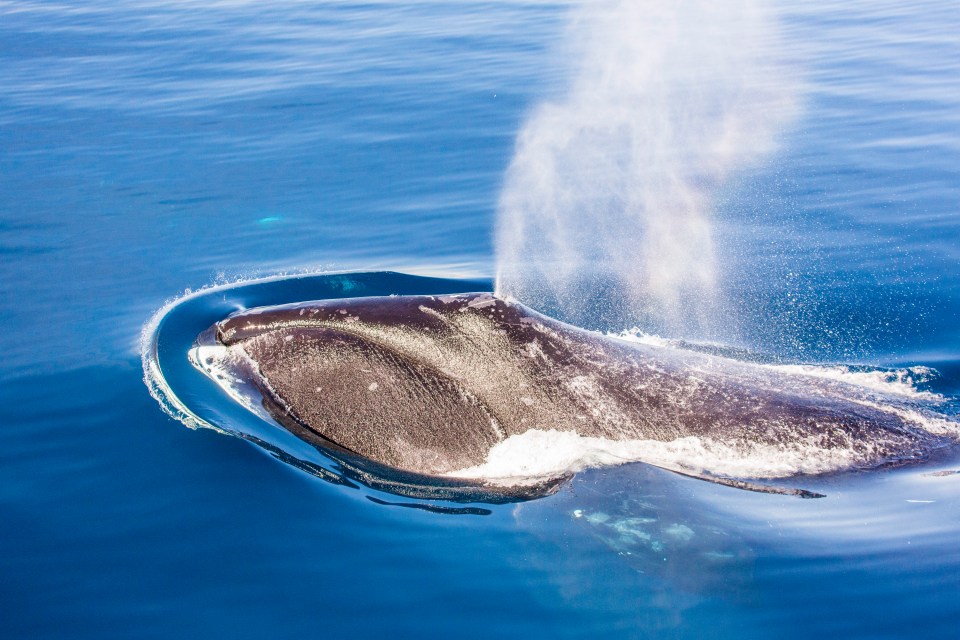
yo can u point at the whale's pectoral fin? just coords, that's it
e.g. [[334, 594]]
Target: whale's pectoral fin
[[433, 508], [751, 486]]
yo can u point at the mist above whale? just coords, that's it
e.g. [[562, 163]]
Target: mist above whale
[[608, 205], [444, 386]]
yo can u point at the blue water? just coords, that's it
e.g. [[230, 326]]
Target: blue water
[[148, 148]]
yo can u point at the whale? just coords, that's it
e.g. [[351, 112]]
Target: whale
[[427, 388]]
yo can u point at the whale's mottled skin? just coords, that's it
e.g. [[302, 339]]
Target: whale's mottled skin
[[428, 384]]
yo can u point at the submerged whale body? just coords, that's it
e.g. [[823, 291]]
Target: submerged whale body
[[434, 386]]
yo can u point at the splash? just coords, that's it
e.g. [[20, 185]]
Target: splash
[[605, 214], [537, 454]]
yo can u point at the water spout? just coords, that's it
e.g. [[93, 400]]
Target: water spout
[[605, 214]]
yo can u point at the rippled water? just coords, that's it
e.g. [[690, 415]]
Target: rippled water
[[152, 147]]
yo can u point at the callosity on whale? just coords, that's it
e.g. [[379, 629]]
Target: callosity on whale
[[430, 385]]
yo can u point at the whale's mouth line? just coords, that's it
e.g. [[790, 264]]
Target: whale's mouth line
[[467, 394]]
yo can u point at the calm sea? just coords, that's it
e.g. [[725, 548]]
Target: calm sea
[[148, 148]]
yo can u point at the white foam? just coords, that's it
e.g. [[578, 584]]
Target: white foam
[[640, 337], [534, 455], [900, 382], [930, 422], [903, 382], [219, 364]]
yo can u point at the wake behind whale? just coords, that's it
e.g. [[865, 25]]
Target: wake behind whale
[[473, 389]]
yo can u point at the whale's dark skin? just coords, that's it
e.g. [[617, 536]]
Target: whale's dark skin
[[429, 384]]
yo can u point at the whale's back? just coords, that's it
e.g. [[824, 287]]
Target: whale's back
[[432, 385]]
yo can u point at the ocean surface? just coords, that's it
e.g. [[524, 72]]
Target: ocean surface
[[165, 163]]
